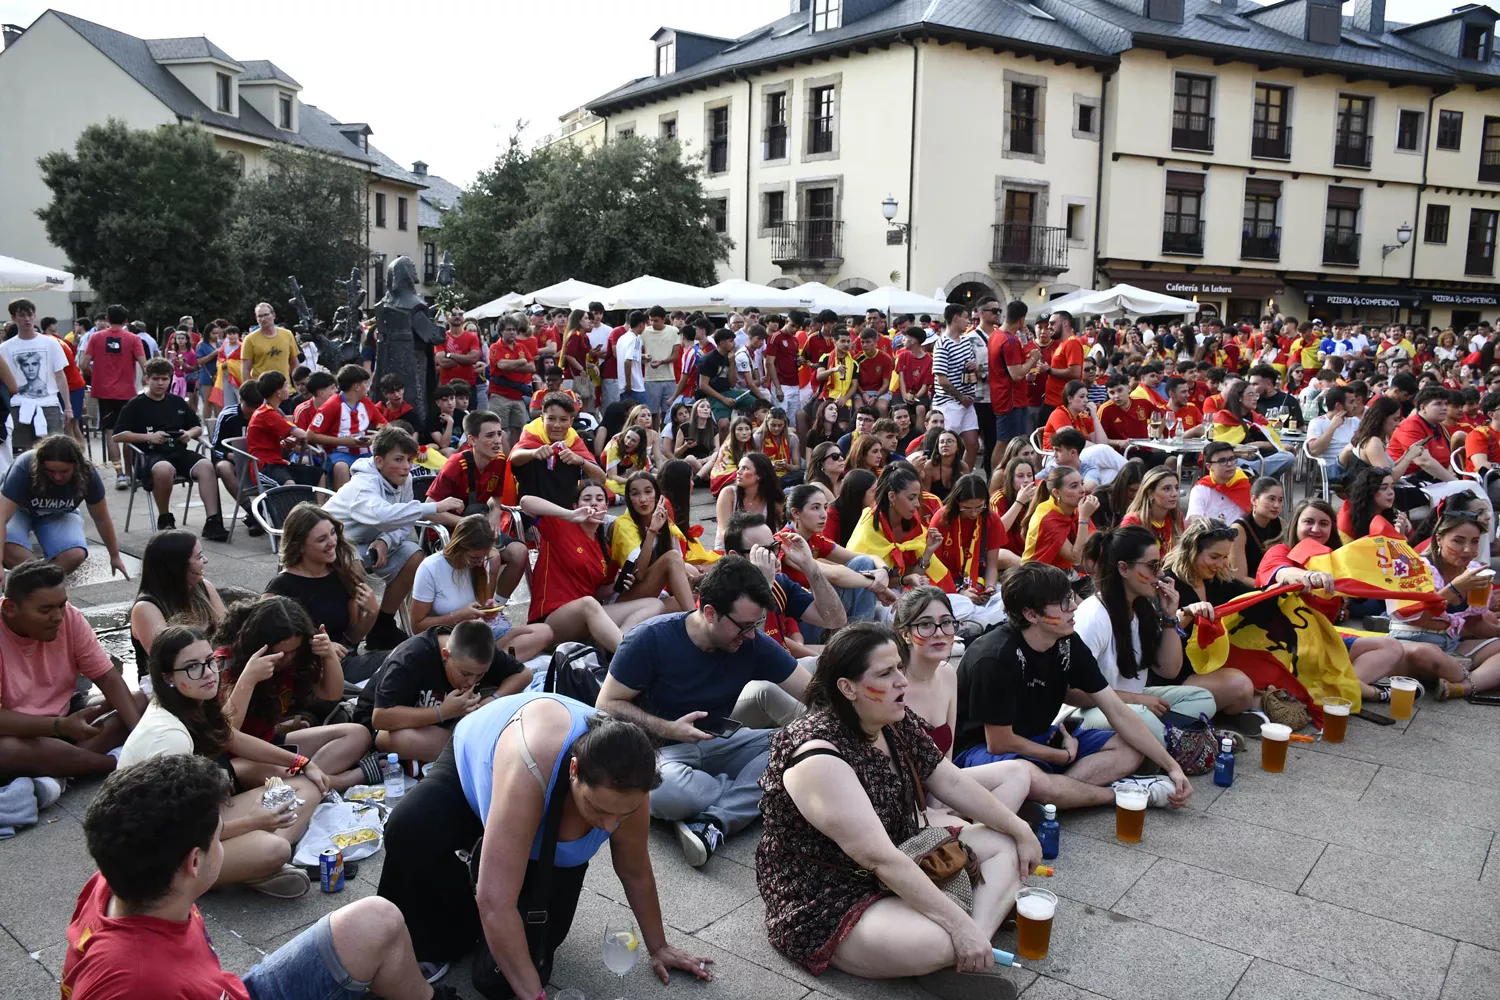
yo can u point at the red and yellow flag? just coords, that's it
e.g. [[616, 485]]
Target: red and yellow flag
[[872, 538], [1374, 566]]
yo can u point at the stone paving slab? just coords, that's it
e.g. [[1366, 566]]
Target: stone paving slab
[[1446, 799], [1369, 953], [1089, 869], [1268, 981], [1052, 989], [41, 872], [692, 898], [21, 976], [1474, 974]]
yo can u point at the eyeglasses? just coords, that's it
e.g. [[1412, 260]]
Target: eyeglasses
[[744, 630], [972, 510], [1067, 605], [1223, 461], [197, 670], [928, 629]]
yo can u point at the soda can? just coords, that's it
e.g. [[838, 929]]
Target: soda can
[[331, 870]]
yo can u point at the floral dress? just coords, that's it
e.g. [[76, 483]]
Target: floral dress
[[814, 892]]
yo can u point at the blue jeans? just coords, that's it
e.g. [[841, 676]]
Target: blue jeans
[[56, 533], [1276, 464], [305, 968], [859, 604], [716, 779]]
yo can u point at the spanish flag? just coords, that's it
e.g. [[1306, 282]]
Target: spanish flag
[[1142, 393], [877, 539], [1228, 427], [534, 435], [1237, 489], [1377, 566]]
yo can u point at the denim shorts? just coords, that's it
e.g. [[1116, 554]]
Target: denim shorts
[[1090, 741], [343, 455], [305, 968], [1447, 643], [56, 533]]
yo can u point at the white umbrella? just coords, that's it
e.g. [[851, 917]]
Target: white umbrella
[[495, 308], [564, 292], [892, 300], [823, 297], [737, 293], [1121, 300], [645, 292], [19, 276]]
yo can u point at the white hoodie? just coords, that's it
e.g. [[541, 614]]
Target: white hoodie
[[371, 508]]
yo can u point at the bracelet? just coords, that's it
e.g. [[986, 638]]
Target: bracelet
[[1181, 631], [299, 764], [57, 725], [440, 714]]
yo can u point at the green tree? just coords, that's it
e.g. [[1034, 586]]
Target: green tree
[[144, 216], [493, 205], [304, 216]]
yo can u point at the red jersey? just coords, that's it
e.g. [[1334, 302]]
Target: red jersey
[[1189, 416], [1036, 389], [963, 551], [75, 377], [874, 371], [609, 367], [1006, 393], [1121, 422], [1413, 430], [459, 477], [570, 564], [466, 342], [1061, 418], [814, 350], [337, 419], [397, 412], [1482, 440], [576, 349], [302, 416], [510, 384], [781, 350], [916, 371], [1068, 354], [821, 545], [263, 435]]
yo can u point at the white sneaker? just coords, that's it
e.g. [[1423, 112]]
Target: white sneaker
[[1159, 786], [48, 791]]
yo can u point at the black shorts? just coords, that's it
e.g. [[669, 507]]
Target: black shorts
[[301, 475], [109, 409], [181, 460]]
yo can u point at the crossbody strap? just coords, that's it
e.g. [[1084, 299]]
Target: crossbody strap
[[535, 915]]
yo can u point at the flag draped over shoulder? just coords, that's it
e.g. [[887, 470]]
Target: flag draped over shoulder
[[534, 435], [1375, 566], [873, 539], [1228, 427]]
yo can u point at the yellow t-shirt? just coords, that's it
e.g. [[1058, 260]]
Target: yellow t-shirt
[[843, 376], [264, 354]]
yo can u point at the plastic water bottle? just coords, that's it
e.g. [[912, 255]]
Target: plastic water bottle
[[1047, 833], [395, 781], [1224, 763]]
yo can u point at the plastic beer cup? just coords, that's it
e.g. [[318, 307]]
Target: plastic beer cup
[[1403, 694], [1034, 910], [1274, 738], [1130, 813], [1335, 719]]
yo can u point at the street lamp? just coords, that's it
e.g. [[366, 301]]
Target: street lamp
[[1403, 237], [900, 230]]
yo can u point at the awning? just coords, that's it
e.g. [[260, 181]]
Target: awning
[[1449, 298], [1389, 296]]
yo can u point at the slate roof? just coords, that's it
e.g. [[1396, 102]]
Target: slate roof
[[441, 195], [197, 47], [265, 69], [317, 131]]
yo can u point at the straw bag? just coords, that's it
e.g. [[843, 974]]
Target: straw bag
[[1283, 708]]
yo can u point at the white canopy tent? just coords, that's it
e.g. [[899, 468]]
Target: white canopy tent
[[737, 293], [1121, 300], [495, 308], [20, 276], [643, 293], [564, 293], [892, 301], [820, 296]]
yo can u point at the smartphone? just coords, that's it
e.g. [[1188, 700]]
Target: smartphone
[[104, 718], [718, 725]]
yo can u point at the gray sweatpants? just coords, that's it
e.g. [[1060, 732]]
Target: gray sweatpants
[[717, 779]]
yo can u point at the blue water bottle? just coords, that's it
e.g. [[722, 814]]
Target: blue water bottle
[[1224, 763], [1047, 833]]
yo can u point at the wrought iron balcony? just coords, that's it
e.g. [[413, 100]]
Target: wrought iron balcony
[[1191, 131], [1271, 141], [1260, 241], [1183, 242], [811, 242], [1340, 246], [1352, 149], [1480, 260], [1025, 248]]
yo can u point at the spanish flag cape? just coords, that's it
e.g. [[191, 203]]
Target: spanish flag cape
[[874, 536], [625, 538], [1237, 489], [1034, 526], [534, 435], [1141, 392], [1228, 427], [1274, 638], [227, 375]]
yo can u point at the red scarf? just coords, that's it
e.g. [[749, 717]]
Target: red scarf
[[1237, 489]]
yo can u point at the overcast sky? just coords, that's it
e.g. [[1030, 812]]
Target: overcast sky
[[445, 82]]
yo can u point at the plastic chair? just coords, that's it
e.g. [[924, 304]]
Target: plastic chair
[[1045, 454], [247, 475], [270, 507], [131, 456], [421, 482]]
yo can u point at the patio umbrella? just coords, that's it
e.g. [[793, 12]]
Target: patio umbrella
[[564, 292], [892, 300], [495, 308], [20, 276], [737, 293], [645, 292], [823, 297], [1121, 300]]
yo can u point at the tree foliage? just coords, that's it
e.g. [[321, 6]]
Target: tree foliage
[[635, 206], [145, 216], [304, 216]]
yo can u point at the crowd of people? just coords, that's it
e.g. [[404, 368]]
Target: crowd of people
[[951, 574]]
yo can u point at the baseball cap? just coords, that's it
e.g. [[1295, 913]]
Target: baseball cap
[[537, 310]]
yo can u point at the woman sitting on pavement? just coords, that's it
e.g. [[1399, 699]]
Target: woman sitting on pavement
[[571, 590], [185, 717], [891, 530], [826, 467], [739, 442], [867, 453], [1369, 508], [41, 495], [698, 438], [1011, 499], [1369, 449], [676, 482], [843, 790], [320, 571], [645, 538], [856, 495], [286, 676], [756, 488], [973, 545], [1060, 521], [494, 792], [458, 585], [172, 587], [627, 452], [1156, 507], [1257, 530], [944, 465], [1199, 571], [1124, 624]]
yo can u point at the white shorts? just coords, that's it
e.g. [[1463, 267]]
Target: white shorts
[[959, 418], [793, 398]]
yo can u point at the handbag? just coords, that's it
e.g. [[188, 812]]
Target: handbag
[[1193, 743], [947, 861]]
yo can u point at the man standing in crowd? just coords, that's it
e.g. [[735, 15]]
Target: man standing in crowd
[[112, 356], [42, 405], [512, 366], [661, 346], [627, 352], [268, 347], [460, 352]]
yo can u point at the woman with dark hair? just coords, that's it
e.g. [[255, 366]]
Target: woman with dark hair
[[739, 442], [611, 422], [855, 496], [892, 530], [1116, 498], [778, 441], [285, 677], [173, 586], [1237, 423], [697, 438], [41, 495], [1122, 624], [826, 466], [1258, 529], [825, 428], [676, 481], [943, 451], [1368, 506], [1012, 500], [973, 545], [464, 848], [756, 488], [868, 453], [184, 717], [1368, 449], [1198, 569], [844, 788], [647, 550], [627, 452]]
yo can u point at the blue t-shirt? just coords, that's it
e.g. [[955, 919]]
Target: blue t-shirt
[[52, 500], [205, 349], [675, 677]]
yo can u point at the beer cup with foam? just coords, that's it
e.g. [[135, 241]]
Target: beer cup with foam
[[1274, 738], [1335, 719], [1034, 910], [1130, 812], [1403, 694]]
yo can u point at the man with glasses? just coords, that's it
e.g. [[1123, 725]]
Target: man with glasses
[[1012, 684], [431, 681], [268, 347], [1224, 493], [816, 602], [45, 644], [680, 677]]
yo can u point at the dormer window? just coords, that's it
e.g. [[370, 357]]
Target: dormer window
[[226, 93], [1476, 42], [284, 115], [666, 58], [827, 14]]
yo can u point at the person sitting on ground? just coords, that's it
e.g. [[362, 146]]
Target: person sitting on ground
[[343, 424], [286, 679], [940, 462], [1123, 626], [162, 426], [378, 511], [843, 788], [185, 717], [1223, 494], [890, 528], [562, 775], [973, 545], [550, 457], [441, 430], [477, 475], [174, 587], [690, 668], [320, 571], [647, 550], [1156, 507], [778, 442], [859, 580], [756, 488], [156, 832], [1011, 495], [459, 584], [819, 604], [269, 433], [433, 680], [571, 587], [739, 442], [1013, 682], [1060, 520], [45, 644], [627, 452], [697, 439], [41, 495], [1257, 530]]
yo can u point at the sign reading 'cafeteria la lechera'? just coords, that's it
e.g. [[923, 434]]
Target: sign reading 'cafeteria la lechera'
[[1198, 288]]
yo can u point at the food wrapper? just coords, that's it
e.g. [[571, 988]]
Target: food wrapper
[[365, 793], [277, 794], [346, 839]]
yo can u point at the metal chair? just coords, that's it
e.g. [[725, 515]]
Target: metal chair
[[247, 476], [270, 507], [132, 455], [421, 482], [1457, 461]]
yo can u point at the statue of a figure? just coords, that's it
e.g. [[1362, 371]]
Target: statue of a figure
[[304, 323], [340, 346], [405, 335], [445, 270]]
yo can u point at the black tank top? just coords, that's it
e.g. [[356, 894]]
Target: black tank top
[[1257, 540]]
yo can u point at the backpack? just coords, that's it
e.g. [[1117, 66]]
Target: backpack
[[576, 671]]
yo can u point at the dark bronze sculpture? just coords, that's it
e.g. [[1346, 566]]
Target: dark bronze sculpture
[[405, 334]]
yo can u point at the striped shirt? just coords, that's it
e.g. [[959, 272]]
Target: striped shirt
[[949, 358]]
